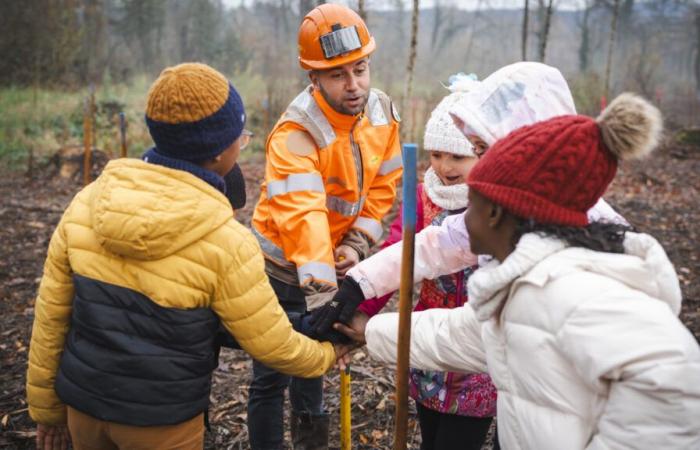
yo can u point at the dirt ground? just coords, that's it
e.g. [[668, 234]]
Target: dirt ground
[[659, 196]]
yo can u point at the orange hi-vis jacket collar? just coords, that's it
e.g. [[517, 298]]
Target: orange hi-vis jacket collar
[[338, 121]]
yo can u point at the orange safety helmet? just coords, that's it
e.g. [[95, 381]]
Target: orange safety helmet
[[332, 35]]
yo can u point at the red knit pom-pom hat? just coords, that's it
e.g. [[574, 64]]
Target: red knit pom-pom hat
[[554, 171]]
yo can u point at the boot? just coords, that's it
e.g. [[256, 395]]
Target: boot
[[310, 432]]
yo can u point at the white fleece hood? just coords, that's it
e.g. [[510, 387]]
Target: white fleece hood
[[514, 96]]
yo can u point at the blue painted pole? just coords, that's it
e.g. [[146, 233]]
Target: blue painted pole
[[405, 295]]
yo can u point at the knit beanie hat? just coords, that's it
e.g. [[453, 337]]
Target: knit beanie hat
[[440, 131], [554, 171], [193, 112]]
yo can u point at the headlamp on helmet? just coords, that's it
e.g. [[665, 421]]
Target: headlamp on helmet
[[340, 41]]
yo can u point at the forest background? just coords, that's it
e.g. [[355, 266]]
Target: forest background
[[54, 52], [68, 68]]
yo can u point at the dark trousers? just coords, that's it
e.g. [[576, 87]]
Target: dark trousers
[[266, 392], [441, 431]]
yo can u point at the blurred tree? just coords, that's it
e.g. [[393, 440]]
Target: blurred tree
[[141, 26], [696, 66], [584, 24], [544, 14], [40, 41], [611, 45], [523, 42]]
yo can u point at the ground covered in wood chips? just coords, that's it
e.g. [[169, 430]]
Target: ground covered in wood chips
[[660, 196]]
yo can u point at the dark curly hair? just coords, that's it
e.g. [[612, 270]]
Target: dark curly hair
[[598, 236]]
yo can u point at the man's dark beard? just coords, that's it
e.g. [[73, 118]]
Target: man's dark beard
[[339, 106]]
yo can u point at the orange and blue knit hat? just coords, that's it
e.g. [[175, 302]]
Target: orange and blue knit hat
[[193, 112], [554, 171]]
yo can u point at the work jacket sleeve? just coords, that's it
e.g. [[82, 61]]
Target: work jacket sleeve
[[439, 250], [52, 312], [382, 190], [250, 311], [441, 339], [297, 203], [637, 353]]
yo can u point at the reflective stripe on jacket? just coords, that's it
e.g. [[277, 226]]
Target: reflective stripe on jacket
[[326, 174]]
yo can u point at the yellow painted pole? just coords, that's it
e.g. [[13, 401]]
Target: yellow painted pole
[[345, 414]]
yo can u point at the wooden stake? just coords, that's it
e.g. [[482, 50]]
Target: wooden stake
[[122, 134], [345, 414], [405, 295], [87, 141]]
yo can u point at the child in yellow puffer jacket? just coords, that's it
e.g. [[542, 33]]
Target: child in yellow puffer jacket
[[143, 267]]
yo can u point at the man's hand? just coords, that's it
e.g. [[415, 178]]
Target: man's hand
[[345, 258], [340, 309], [52, 437], [356, 329]]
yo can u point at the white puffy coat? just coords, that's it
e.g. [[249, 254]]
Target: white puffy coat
[[585, 348]]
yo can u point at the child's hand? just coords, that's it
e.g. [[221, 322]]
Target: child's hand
[[345, 258], [356, 330], [342, 354], [52, 437]]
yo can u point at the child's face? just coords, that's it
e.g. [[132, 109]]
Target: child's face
[[225, 161], [450, 168], [480, 146], [476, 220]]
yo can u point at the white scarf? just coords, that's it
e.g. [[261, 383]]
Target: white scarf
[[450, 198]]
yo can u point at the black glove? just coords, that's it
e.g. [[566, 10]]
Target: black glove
[[304, 323], [339, 309]]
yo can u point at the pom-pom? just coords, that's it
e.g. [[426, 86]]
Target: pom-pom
[[630, 126], [460, 82]]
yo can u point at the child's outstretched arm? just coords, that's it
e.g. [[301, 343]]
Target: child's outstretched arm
[[637, 352], [441, 339], [250, 311], [439, 250]]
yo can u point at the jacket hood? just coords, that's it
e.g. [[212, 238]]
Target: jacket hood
[[514, 96], [644, 267], [145, 211]]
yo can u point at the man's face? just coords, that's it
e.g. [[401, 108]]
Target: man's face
[[345, 88]]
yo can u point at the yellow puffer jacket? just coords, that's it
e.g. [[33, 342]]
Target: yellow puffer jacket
[[172, 237]]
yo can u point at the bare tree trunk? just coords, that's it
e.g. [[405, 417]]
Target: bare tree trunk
[[544, 32], [408, 87], [437, 23], [361, 10], [697, 51], [585, 45], [526, 16], [611, 44]]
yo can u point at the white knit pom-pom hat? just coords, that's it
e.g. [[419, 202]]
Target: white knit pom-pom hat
[[441, 133]]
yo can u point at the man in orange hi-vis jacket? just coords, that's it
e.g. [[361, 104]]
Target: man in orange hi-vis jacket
[[333, 161]]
